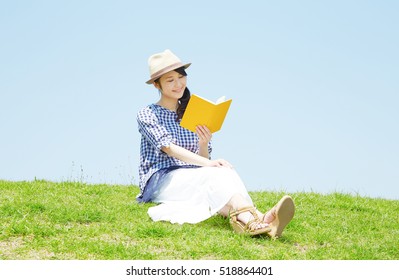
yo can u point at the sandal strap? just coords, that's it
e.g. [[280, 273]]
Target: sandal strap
[[242, 210], [233, 214], [251, 222]]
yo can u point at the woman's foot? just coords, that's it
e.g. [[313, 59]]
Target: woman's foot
[[279, 216], [247, 217], [246, 220], [269, 216]]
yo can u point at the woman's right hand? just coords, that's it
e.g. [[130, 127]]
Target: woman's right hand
[[220, 163]]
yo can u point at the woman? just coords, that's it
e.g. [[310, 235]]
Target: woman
[[176, 169]]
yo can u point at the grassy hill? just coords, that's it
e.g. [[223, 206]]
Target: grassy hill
[[70, 220]]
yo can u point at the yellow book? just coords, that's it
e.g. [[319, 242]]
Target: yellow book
[[201, 111]]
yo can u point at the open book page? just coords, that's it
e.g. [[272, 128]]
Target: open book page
[[201, 111], [221, 99]]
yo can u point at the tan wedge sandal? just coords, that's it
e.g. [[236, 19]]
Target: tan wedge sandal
[[250, 227], [283, 212]]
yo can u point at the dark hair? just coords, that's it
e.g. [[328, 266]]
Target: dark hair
[[183, 101]]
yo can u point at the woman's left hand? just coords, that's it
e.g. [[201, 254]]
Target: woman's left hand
[[204, 135]]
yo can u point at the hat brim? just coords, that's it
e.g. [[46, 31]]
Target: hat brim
[[166, 70]]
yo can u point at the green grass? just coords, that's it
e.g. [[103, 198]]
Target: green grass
[[70, 220]]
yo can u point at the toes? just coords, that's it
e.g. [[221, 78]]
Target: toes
[[260, 225]]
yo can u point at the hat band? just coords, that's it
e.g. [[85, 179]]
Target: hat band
[[166, 69]]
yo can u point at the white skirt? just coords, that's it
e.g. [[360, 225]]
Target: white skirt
[[192, 195]]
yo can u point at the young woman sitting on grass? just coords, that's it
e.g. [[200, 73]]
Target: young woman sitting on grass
[[177, 172]]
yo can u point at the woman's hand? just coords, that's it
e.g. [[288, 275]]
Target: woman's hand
[[220, 163], [204, 135]]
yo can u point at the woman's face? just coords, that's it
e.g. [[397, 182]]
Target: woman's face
[[172, 84]]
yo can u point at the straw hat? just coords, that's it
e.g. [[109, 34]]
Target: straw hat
[[164, 62]]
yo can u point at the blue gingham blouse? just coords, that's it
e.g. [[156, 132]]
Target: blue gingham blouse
[[159, 128]]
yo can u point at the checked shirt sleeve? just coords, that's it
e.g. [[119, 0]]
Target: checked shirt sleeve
[[152, 130]]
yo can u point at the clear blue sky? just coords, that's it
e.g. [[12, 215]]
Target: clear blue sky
[[314, 85]]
